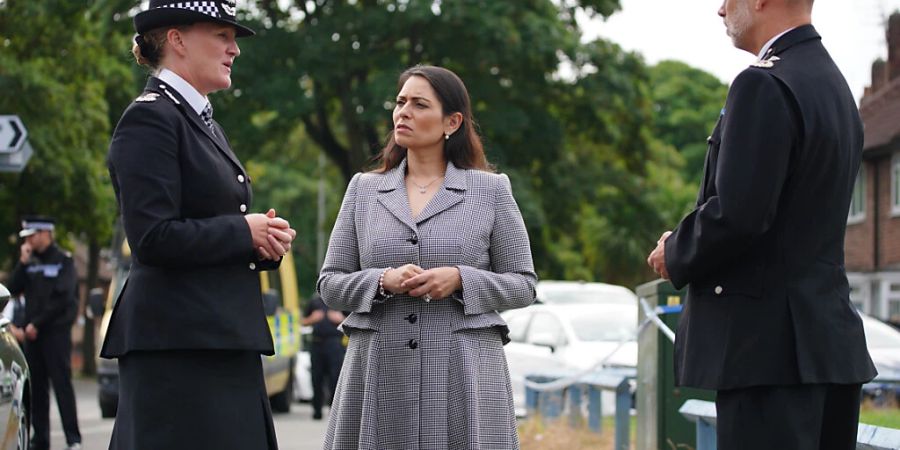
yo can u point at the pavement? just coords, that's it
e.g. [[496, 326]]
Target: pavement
[[296, 430]]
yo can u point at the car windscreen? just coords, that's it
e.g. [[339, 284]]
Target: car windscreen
[[612, 323], [563, 296]]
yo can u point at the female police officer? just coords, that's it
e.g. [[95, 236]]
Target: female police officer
[[189, 327]]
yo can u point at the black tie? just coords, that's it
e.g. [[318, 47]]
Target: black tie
[[206, 115]]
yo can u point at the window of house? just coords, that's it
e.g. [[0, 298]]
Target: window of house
[[858, 201], [895, 185]]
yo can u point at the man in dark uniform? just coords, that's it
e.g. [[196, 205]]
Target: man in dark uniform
[[326, 351], [768, 321], [46, 275]]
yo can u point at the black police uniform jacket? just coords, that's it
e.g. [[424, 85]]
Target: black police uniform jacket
[[49, 283], [194, 281], [763, 252]]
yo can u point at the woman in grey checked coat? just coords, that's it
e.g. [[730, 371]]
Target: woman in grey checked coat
[[424, 253]]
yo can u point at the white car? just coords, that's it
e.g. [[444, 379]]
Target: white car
[[883, 342], [559, 292], [574, 336]]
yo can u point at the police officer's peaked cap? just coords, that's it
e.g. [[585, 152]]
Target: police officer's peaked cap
[[33, 224], [163, 13]]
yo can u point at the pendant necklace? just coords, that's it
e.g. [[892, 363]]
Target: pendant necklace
[[422, 188]]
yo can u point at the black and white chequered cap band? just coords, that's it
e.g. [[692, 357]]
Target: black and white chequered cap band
[[204, 7]]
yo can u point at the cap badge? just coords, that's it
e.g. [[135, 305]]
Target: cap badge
[[228, 7]]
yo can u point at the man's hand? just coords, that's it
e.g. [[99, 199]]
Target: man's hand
[[25, 253], [657, 258], [17, 332], [335, 317], [314, 317], [31, 332]]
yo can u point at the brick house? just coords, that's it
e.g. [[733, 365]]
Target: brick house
[[872, 246]]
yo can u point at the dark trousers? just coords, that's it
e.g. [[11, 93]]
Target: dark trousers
[[326, 357], [800, 417], [49, 359]]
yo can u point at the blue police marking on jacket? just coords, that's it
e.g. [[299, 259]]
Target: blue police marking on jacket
[[49, 270]]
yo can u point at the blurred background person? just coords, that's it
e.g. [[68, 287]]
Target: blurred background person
[[326, 351], [46, 276]]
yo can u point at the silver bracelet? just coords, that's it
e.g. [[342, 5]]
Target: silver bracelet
[[381, 290]]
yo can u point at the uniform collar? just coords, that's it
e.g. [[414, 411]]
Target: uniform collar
[[197, 101], [765, 48], [790, 38]]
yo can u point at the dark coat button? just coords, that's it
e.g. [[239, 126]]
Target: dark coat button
[[412, 318], [413, 344], [413, 240]]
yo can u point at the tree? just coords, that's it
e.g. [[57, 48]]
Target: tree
[[65, 67], [687, 102]]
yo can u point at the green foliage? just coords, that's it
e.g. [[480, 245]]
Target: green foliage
[[286, 177], [58, 71], [687, 102], [573, 123], [595, 143]]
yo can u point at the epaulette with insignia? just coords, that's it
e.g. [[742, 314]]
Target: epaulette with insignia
[[766, 63], [148, 97]]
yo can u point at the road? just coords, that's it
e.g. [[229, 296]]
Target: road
[[296, 431]]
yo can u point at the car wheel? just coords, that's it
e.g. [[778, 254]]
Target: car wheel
[[281, 402], [23, 435]]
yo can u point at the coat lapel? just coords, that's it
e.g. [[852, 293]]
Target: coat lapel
[[156, 85], [392, 194], [450, 193]]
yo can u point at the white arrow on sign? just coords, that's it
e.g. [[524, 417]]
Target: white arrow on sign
[[12, 134]]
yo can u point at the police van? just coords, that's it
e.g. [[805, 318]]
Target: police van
[[281, 301]]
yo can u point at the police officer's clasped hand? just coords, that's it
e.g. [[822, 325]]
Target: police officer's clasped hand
[[31, 332], [316, 316], [17, 332], [272, 235], [657, 258]]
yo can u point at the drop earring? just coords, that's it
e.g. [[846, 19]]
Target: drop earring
[[446, 136]]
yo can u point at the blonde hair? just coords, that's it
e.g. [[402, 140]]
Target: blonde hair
[[149, 47]]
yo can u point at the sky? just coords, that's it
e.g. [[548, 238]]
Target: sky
[[691, 31]]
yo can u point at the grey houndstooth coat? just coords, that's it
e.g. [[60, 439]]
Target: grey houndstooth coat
[[422, 375]]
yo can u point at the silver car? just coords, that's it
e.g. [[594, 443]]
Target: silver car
[[15, 387]]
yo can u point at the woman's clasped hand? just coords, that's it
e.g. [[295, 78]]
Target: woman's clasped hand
[[272, 235]]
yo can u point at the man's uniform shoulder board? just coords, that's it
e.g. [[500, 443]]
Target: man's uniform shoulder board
[[766, 63], [148, 97]]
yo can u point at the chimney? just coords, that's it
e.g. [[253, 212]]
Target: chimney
[[893, 43]]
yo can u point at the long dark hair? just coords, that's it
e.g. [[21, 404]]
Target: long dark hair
[[464, 147]]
